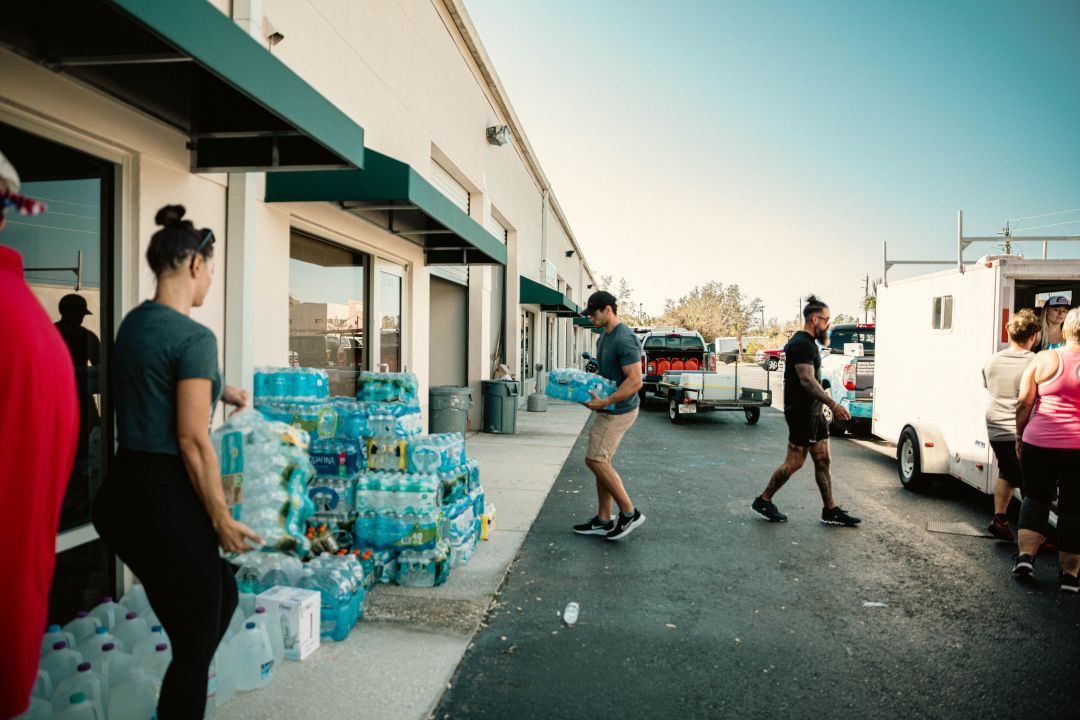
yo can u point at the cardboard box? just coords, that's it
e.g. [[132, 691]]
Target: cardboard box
[[300, 613]]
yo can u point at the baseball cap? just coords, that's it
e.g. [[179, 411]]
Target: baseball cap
[[1058, 301], [72, 303], [9, 192], [597, 301]]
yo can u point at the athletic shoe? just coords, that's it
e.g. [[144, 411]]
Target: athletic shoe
[[1069, 583], [625, 525], [1025, 565], [838, 516], [596, 526], [999, 528], [768, 509]]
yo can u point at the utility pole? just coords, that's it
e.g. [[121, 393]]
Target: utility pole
[[762, 309], [866, 294]]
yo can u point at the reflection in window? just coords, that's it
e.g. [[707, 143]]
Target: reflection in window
[[83, 576], [326, 310], [390, 321]]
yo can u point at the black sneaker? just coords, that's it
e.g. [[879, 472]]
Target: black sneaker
[[768, 509], [625, 525], [999, 528], [596, 526], [839, 516], [1069, 583], [1025, 565]]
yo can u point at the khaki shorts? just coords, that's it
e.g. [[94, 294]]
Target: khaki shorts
[[606, 434]]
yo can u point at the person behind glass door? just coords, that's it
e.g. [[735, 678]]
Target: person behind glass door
[[163, 511], [38, 433]]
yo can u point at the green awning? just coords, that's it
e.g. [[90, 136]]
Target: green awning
[[390, 194], [549, 300], [584, 322], [186, 64]]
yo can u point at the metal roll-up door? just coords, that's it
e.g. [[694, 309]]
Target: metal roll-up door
[[449, 186]]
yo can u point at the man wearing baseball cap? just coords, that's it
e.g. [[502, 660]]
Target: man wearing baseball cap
[[85, 349], [37, 445], [619, 356]]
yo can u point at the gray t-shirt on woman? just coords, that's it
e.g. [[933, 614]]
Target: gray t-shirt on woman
[[157, 347], [1001, 376]]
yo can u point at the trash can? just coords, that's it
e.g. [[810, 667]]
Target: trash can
[[449, 409], [500, 405]]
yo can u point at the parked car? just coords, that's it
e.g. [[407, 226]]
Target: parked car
[[669, 349], [769, 359]]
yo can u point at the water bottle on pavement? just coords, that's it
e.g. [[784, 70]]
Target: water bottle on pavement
[[253, 658], [84, 680], [158, 663], [61, 663], [108, 612], [131, 631], [82, 626], [271, 623], [53, 635], [80, 707], [135, 698]]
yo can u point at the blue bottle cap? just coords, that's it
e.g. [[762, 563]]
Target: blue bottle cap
[[101, 630], [250, 626]]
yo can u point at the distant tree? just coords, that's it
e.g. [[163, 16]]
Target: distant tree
[[869, 304], [714, 310], [844, 319], [630, 311]]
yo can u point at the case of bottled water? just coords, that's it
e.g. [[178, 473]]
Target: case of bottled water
[[444, 452], [389, 419], [474, 475], [389, 388], [332, 496], [397, 532], [574, 385], [333, 457], [341, 593], [398, 493], [461, 551], [258, 572], [386, 565], [290, 382], [424, 568], [455, 484]]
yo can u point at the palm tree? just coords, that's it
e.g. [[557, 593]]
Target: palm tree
[[869, 303]]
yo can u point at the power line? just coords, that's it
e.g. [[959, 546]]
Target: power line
[[1039, 227], [1033, 217]]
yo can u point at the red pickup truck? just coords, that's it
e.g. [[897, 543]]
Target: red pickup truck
[[769, 359]]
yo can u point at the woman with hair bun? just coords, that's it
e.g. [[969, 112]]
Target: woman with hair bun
[[162, 510]]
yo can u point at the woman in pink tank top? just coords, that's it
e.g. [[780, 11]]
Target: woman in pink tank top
[[1048, 432]]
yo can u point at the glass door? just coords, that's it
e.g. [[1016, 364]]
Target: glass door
[[389, 302]]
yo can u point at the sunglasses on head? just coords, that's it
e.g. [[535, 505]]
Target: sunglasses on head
[[207, 239]]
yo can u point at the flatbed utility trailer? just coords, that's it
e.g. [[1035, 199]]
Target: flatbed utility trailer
[[692, 392]]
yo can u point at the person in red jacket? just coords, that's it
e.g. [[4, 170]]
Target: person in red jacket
[[39, 425]]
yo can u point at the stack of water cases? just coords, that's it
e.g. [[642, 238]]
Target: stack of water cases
[[576, 385]]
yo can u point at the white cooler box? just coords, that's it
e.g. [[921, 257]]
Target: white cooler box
[[715, 387]]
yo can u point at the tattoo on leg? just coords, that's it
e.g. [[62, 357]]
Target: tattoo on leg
[[779, 477], [823, 477]]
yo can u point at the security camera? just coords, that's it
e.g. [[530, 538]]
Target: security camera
[[498, 135]]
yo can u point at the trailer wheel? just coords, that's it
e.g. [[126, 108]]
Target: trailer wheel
[[642, 394], [753, 414], [673, 410], [909, 463], [773, 364]]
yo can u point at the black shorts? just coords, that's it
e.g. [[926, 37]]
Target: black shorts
[[1008, 463], [806, 426]]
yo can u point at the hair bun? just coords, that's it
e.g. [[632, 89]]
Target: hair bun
[[170, 216]]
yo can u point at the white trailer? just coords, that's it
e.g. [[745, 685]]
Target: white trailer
[[934, 334]]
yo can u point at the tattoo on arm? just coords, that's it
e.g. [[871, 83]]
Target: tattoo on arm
[[805, 372]]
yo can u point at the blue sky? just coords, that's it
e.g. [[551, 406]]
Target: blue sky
[[777, 144]]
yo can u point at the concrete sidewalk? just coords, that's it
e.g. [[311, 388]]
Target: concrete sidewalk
[[397, 661]]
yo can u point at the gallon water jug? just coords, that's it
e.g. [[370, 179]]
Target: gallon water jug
[[80, 707], [43, 687], [131, 631], [226, 674], [91, 646], [61, 663], [253, 658], [148, 645], [108, 612], [84, 680], [82, 626], [135, 698], [40, 709], [112, 666], [53, 635], [135, 600], [236, 624], [247, 603], [158, 663], [271, 623], [210, 708]]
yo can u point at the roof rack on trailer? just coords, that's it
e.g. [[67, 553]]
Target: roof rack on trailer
[[961, 244]]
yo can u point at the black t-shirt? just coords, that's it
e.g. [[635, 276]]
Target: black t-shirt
[[800, 350]]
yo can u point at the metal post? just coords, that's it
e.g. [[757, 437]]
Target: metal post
[[1044, 249], [885, 263], [960, 240]]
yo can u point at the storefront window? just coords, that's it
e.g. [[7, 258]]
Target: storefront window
[[83, 575], [62, 253], [527, 331], [390, 320], [327, 301]]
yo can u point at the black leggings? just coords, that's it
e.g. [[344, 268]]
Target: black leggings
[[1047, 471], [148, 513]]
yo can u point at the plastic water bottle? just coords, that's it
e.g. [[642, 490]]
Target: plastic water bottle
[[53, 635], [108, 612], [91, 646], [253, 658], [61, 663], [40, 709], [80, 707], [84, 680], [82, 626], [148, 645], [158, 663], [271, 623], [247, 603], [130, 631], [224, 666], [135, 600], [135, 698]]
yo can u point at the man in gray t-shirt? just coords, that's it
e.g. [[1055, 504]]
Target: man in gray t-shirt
[[1001, 377], [619, 358]]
